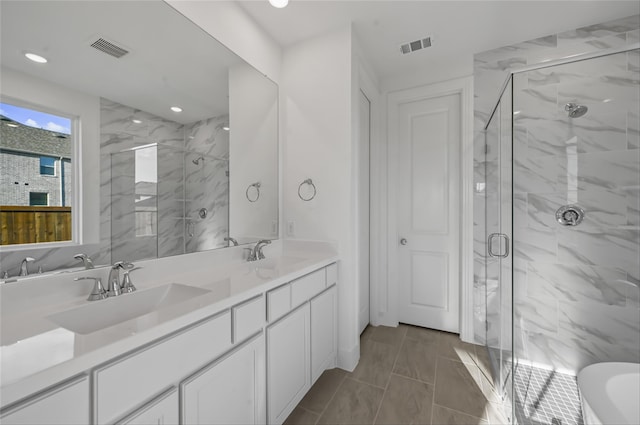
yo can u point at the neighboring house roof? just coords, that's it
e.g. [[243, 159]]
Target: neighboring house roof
[[22, 138]]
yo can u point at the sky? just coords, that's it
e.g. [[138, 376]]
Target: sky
[[36, 119]]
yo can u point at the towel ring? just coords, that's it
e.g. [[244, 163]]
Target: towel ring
[[254, 198], [310, 183]]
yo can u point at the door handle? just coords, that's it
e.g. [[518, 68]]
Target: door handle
[[403, 241], [506, 245]]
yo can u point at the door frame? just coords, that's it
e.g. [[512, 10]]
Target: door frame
[[386, 308], [368, 85]]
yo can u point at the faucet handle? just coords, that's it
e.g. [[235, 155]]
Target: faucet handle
[[118, 264], [86, 261], [98, 292], [127, 285], [259, 245]]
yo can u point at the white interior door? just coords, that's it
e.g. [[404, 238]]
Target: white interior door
[[363, 209], [429, 133]]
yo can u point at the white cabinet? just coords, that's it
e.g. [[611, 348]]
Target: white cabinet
[[288, 368], [278, 302], [138, 377], [221, 379], [248, 318], [65, 404], [163, 410], [324, 330], [230, 391]]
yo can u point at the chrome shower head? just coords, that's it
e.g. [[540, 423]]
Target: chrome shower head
[[574, 110], [197, 160]]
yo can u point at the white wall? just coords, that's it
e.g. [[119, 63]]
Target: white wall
[[233, 27], [435, 73], [316, 103], [253, 147]]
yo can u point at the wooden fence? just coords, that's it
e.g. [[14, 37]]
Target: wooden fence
[[22, 224]]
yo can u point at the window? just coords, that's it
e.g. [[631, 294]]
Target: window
[[38, 199], [47, 166], [37, 170]]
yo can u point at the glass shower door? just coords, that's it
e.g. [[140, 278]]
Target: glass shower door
[[498, 172], [576, 176]]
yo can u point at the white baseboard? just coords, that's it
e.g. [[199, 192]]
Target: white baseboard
[[348, 359]]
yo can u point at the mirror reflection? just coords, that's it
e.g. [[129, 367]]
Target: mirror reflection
[[185, 125], [36, 180]]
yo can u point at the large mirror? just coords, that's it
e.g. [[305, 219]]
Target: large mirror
[[187, 131]]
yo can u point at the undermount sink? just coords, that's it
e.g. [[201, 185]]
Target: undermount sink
[[99, 315], [276, 262]]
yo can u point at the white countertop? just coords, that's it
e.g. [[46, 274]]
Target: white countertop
[[36, 353]]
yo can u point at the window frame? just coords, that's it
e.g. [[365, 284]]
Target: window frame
[[52, 167], [46, 195], [77, 230]]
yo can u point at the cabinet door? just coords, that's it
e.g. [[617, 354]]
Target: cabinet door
[[323, 332], [288, 365], [66, 404], [230, 391], [163, 410]]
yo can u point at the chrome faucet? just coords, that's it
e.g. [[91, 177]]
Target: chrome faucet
[[232, 240], [24, 269], [256, 252], [113, 284], [86, 261], [127, 285], [98, 292]]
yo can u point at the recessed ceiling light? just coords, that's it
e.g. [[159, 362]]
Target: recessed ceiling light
[[10, 124], [35, 58], [176, 109], [279, 3], [136, 121]]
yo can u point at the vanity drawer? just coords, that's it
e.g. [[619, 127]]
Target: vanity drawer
[[248, 318], [332, 274], [156, 367], [307, 287], [66, 403], [278, 302]]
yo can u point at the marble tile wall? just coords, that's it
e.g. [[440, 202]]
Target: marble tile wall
[[119, 132], [207, 184], [183, 187], [576, 289]]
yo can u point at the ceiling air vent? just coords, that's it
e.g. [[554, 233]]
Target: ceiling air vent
[[414, 46], [109, 48]]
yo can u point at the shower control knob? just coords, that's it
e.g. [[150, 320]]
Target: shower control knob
[[570, 215], [403, 241]]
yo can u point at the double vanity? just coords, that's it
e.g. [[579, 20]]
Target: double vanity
[[206, 338]]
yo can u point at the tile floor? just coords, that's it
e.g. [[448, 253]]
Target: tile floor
[[546, 397], [406, 375]]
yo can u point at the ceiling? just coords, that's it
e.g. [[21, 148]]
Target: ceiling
[[161, 70], [458, 28]]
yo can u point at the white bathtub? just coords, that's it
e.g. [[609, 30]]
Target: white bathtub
[[610, 393]]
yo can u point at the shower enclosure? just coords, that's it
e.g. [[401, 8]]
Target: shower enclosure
[[562, 170], [167, 200]]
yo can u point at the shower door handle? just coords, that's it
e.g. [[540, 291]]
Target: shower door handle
[[506, 245]]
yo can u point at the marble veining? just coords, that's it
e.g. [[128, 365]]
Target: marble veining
[[576, 290]]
